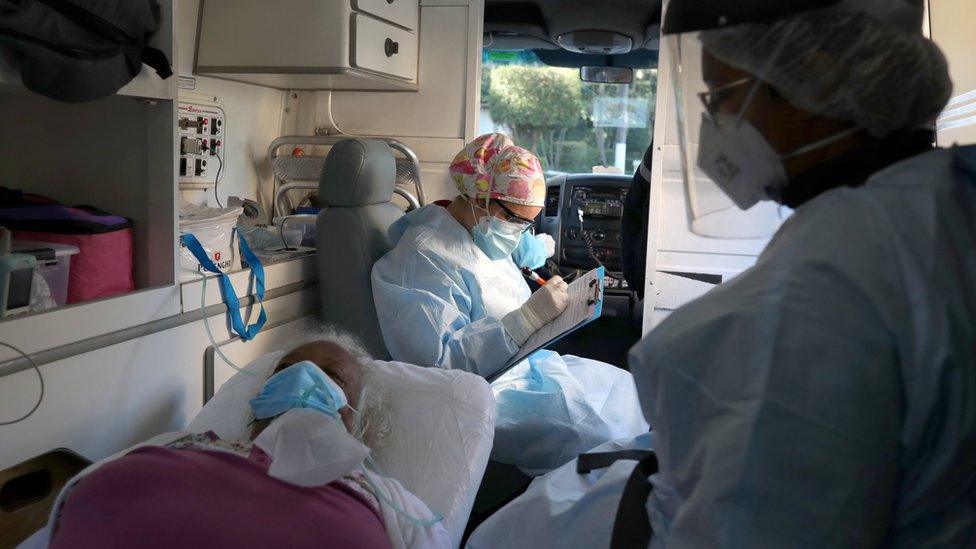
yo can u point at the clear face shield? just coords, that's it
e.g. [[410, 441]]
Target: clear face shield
[[712, 213]]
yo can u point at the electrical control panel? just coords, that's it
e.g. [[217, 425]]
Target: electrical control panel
[[585, 211], [202, 135]]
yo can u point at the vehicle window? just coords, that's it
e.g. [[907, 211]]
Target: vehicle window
[[569, 124]]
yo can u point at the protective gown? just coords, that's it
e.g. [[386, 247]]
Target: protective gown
[[827, 396], [824, 398], [439, 300]]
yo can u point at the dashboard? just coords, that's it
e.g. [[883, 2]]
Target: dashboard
[[582, 213]]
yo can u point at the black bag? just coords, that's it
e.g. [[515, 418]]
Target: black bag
[[80, 50]]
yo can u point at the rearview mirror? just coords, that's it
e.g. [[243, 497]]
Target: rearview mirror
[[607, 75]]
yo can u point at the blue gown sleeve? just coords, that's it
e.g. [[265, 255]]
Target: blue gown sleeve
[[530, 252], [425, 317]]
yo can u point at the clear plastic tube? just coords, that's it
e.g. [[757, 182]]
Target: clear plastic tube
[[423, 523], [206, 325]]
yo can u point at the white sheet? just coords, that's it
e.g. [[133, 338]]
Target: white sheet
[[563, 509]]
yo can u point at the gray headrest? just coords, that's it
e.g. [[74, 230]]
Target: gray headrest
[[358, 172]]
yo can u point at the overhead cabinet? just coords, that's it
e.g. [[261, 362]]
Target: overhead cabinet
[[311, 44]]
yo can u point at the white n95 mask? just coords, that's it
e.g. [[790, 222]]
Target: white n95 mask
[[309, 448], [741, 161]]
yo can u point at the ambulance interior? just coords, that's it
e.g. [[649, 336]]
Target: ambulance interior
[[257, 100]]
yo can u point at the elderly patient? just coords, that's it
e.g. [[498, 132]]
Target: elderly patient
[[298, 482]]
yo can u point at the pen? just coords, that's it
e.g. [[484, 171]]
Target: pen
[[531, 274]]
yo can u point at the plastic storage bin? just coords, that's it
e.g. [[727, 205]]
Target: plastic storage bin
[[103, 266], [214, 228], [53, 263]]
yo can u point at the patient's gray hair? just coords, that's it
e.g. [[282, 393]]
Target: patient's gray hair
[[323, 332], [372, 424]]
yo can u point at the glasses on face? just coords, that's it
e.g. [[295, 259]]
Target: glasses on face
[[526, 224], [713, 99]]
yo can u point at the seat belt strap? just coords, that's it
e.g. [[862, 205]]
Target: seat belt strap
[[157, 61], [631, 526], [227, 292], [602, 460]]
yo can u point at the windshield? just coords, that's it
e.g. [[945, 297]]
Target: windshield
[[569, 124]]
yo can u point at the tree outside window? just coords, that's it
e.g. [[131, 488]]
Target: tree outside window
[[571, 125]]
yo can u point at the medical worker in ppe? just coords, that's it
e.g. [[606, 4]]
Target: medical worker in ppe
[[826, 397], [449, 295]]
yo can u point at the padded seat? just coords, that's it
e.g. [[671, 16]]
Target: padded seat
[[355, 191]]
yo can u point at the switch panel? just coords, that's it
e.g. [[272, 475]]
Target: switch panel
[[202, 135]]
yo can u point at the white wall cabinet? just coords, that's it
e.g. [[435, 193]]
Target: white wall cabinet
[[311, 44], [398, 12]]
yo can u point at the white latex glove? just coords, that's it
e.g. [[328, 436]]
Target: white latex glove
[[540, 309], [548, 242]]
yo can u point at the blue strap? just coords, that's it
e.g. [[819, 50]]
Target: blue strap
[[227, 289]]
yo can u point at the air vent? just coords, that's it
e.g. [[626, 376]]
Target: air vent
[[552, 201]]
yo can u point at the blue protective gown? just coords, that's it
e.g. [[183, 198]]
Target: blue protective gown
[[531, 252], [826, 397], [439, 300]]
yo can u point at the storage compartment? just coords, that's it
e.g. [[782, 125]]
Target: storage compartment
[[398, 12], [115, 154], [383, 48], [53, 263], [308, 44]]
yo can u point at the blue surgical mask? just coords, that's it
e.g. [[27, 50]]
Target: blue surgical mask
[[496, 238], [301, 385]]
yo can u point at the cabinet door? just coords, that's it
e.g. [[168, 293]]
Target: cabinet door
[[399, 12], [383, 48]]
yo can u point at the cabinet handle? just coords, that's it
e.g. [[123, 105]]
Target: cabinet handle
[[392, 48]]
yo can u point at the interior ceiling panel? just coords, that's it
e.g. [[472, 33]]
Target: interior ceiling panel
[[550, 18]]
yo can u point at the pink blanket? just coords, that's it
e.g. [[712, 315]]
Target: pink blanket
[[158, 497]]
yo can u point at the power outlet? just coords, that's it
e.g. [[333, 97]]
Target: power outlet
[[202, 133]]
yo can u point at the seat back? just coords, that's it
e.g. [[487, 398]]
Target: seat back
[[355, 189]]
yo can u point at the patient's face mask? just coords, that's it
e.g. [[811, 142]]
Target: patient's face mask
[[301, 385], [307, 442], [496, 238], [309, 448]]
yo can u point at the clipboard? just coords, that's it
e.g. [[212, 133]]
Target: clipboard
[[585, 306]]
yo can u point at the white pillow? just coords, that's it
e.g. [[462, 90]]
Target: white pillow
[[228, 412], [442, 424]]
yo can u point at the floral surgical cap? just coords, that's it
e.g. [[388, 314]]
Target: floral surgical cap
[[492, 166]]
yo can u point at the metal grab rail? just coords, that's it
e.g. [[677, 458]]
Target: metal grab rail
[[288, 170], [281, 205]]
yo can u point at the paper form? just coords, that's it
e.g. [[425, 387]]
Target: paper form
[[585, 304]]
